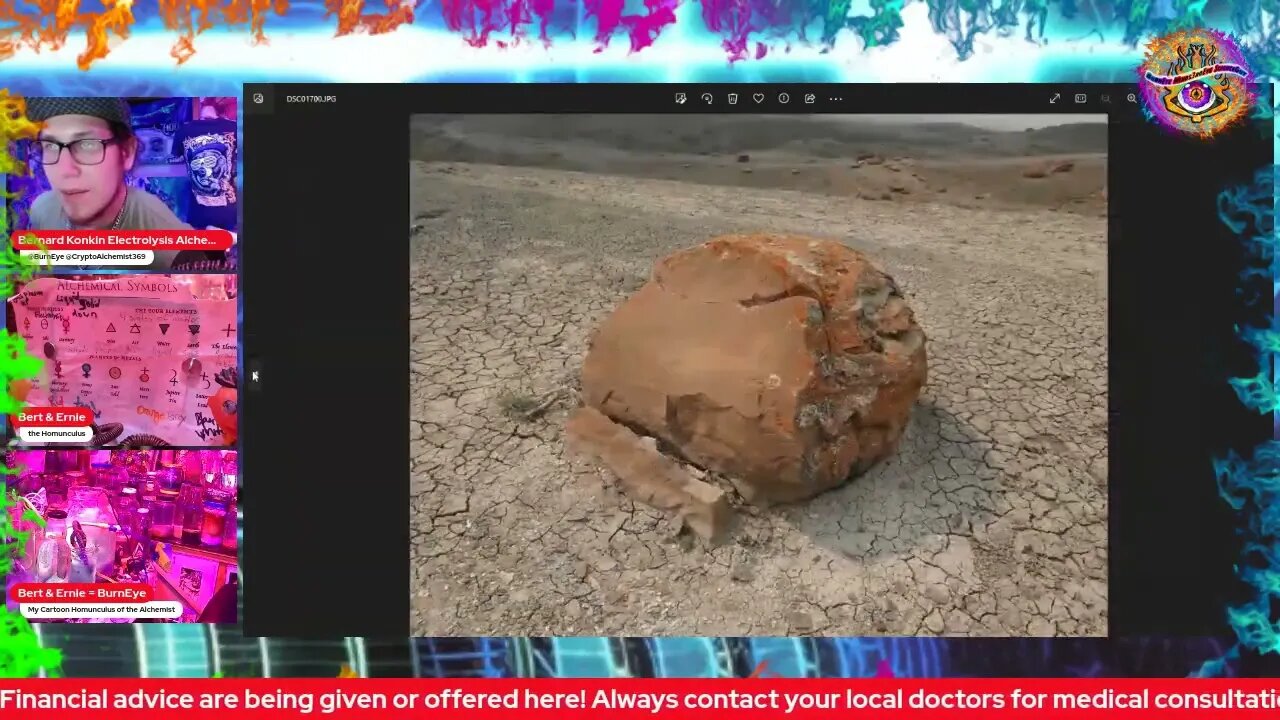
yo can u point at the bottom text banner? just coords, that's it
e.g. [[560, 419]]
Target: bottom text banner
[[563, 699]]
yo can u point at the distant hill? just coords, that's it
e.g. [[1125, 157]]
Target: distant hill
[[475, 137], [1073, 138]]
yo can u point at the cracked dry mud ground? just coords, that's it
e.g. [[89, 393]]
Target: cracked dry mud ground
[[990, 520]]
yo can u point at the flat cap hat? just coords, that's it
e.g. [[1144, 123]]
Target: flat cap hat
[[110, 109]]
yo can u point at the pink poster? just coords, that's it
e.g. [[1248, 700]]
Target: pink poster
[[141, 352]]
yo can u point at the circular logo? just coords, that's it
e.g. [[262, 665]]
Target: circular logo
[[1195, 82], [114, 373]]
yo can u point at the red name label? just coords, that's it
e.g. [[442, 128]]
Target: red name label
[[50, 240], [53, 417], [88, 593]]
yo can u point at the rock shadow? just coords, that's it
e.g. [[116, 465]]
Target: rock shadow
[[934, 493]]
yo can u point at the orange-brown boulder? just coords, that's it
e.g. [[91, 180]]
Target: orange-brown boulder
[[786, 363]]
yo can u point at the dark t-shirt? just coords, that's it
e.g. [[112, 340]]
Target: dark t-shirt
[[142, 211], [211, 151]]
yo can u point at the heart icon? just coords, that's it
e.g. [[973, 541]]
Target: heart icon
[[758, 97]]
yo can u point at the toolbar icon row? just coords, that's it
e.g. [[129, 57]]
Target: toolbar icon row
[[757, 98], [1082, 98]]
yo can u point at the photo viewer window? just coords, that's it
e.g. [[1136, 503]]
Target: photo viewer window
[[734, 360]]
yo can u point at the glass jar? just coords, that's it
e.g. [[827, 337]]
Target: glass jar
[[169, 479], [230, 469], [30, 522], [83, 567], [126, 505], [75, 479], [56, 461], [230, 526], [53, 558], [31, 482], [192, 471], [100, 476], [55, 488], [55, 522], [115, 479], [191, 507], [162, 514], [215, 523], [210, 466], [168, 497], [64, 460], [141, 529]]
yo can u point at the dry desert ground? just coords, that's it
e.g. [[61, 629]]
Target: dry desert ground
[[989, 521]]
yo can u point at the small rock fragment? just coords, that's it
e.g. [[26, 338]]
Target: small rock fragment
[[646, 474]]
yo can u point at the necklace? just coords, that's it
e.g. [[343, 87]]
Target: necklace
[[115, 224]]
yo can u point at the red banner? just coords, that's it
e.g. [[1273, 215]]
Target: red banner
[[755, 699], [122, 240], [53, 417]]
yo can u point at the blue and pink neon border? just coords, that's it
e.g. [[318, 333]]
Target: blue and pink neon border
[[196, 651]]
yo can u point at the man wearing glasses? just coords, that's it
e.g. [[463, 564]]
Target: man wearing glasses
[[86, 146]]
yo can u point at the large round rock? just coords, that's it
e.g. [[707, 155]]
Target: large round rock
[[787, 363]]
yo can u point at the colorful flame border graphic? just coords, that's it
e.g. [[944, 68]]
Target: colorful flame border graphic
[[21, 654], [1250, 485], [418, 38]]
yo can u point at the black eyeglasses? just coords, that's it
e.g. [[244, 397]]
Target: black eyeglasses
[[85, 151]]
